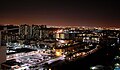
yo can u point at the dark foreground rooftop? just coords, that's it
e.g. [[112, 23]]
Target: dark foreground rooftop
[[20, 50]]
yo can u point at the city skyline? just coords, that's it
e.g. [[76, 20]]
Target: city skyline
[[38, 46], [61, 13]]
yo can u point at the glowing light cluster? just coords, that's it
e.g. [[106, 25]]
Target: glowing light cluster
[[59, 31]]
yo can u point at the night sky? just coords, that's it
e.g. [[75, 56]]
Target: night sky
[[60, 12]]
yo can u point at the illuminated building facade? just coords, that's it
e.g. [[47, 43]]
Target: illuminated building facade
[[62, 34], [25, 31], [36, 31]]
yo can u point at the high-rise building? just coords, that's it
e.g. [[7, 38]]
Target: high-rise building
[[25, 31], [36, 31], [2, 48]]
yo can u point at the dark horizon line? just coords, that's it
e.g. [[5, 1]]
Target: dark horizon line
[[62, 25]]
